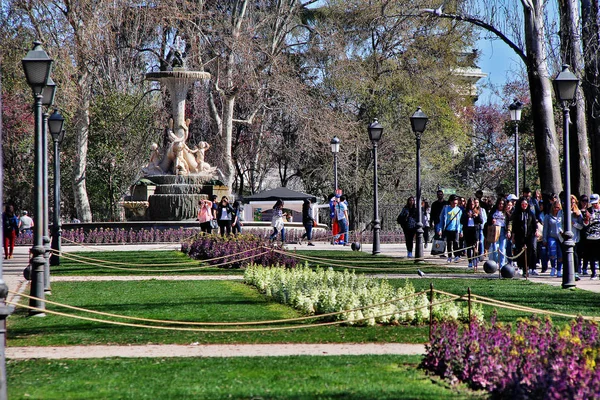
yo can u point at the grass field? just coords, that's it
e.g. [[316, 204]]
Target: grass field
[[334, 377], [176, 263], [298, 377]]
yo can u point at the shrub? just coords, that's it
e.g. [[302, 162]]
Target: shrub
[[120, 236], [327, 291], [229, 251], [535, 361]]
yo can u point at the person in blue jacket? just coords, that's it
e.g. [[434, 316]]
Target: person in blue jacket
[[450, 227]]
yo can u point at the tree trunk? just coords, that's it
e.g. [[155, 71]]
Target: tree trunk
[[546, 142], [591, 82], [82, 127], [571, 51]]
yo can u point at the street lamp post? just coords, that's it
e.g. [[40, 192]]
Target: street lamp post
[[37, 66], [515, 116], [565, 87], [375, 132], [55, 123], [335, 148], [418, 122], [48, 94]]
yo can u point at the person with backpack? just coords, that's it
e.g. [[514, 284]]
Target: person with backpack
[[10, 229], [407, 219]]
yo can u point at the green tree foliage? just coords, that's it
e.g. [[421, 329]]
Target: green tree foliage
[[121, 133], [17, 147]]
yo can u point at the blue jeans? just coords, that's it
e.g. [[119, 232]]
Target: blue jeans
[[274, 234], [497, 249], [308, 226], [555, 253], [343, 225]]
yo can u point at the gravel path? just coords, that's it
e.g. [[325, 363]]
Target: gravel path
[[214, 350]]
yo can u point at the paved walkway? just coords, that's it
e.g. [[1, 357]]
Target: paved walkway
[[215, 350]]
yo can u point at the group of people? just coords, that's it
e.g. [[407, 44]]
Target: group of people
[[13, 225], [527, 232], [220, 216]]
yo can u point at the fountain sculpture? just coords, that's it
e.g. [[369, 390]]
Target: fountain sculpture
[[176, 178]]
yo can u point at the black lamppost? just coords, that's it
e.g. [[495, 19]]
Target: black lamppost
[[55, 123], [48, 94], [565, 87], [515, 116], [37, 66], [418, 122], [335, 148], [375, 131]]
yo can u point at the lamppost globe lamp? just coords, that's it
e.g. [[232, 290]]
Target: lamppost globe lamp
[[37, 66], [335, 148], [48, 93], [375, 131], [55, 123], [515, 110], [418, 122], [515, 115], [565, 86], [335, 145]]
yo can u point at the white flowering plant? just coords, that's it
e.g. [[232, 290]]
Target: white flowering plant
[[356, 299]]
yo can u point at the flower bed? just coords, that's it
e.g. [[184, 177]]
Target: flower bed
[[119, 236], [234, 251], [328, 291], [535, 361]]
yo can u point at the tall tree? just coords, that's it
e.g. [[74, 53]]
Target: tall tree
[[531, 48]]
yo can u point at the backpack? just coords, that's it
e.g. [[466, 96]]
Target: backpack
[[10, 223]]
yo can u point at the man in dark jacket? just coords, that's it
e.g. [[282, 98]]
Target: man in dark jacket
[[522, 229], [436, 209]]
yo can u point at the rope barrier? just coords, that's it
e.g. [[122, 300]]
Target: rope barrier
[[146, 265], [218, 330], [169, 270], [267, 322]]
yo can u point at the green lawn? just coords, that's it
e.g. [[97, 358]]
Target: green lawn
[[204, 301], [176, 263], [298, 377]]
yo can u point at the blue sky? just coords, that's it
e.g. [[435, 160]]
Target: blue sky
[[498, 61]]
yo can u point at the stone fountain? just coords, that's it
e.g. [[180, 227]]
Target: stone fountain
[[176, 177]]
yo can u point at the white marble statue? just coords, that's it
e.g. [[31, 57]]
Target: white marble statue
[[179, 159]]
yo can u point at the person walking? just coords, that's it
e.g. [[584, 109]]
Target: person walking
[[408, 219], [236, 225], [480, 235], [591, 223], [27, 223], [496, 232], [471, 221], [10, 230], [553, 238], [426, 211], [576, 228], [450, 227], [522, 231], [205, 215], [436, 210], [341, 216], [277, 221], [308, 220], [224, 216]]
